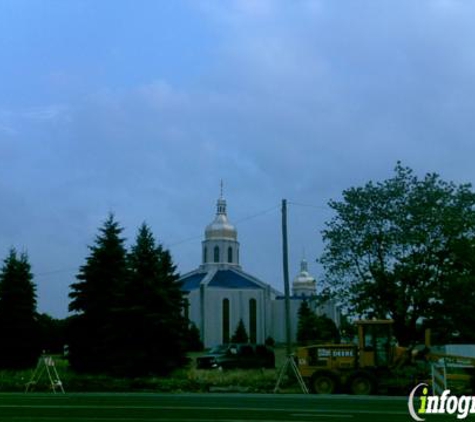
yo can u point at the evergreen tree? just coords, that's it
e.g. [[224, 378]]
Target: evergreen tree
[[240, 335], [270, 342], [18, 319], [94, 298], [312, 329], [52, 334], [306, 325], [154, 335], [327, 331], [194, 343]]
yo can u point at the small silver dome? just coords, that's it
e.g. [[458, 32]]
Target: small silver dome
[[304, 283], [221, 228]]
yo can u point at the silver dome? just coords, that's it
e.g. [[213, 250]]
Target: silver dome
[[221, 228]]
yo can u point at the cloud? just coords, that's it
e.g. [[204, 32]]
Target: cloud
[[297, 99], [15, 121], [450, 6], [252, 8], [160, 94], [8, 130], [235, 11], [48, 113]]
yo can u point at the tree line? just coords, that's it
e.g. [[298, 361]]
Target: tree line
[[127, 310], [402, 248]]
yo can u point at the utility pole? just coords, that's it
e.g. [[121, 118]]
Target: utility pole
[[285, 257], [290, 361]]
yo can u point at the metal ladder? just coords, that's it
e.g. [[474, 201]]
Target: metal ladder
[[46, 366]]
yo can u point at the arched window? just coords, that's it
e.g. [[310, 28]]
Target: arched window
[[252, 320], [216, 254], [205, 255], [230, 254], [225, 320]]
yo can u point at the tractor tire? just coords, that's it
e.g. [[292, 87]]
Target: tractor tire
[[324, 383], [362, 383]]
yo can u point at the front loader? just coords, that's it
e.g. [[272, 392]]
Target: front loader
[[374, 364]]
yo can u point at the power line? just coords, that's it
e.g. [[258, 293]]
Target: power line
[[63, 270], [320, 207], [186, 240], [258, 214], [241, 220], [190, 239]]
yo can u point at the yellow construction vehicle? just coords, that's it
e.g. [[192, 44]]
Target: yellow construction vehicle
[[374, 363]]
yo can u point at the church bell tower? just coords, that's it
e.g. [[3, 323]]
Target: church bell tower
[[220, 246]]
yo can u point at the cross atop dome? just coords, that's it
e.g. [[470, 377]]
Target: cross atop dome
[[220, 246], [221, 205]]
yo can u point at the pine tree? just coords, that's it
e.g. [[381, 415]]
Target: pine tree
[[52, 334], [240, 335], [153, 339], [94, 299], [327, 331], [313, 328], [194, 343], [18, 318], [306, 326]]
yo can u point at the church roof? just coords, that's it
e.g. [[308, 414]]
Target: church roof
[[192, 281], [232, 280], [225, 278]]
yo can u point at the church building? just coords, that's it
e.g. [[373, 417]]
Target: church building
[[220, 293]]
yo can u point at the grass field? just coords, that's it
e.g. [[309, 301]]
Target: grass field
[[188, 379]]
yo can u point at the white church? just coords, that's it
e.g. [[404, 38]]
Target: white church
[[220, 293]]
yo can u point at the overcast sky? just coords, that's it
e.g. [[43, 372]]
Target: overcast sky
[[141, 107]]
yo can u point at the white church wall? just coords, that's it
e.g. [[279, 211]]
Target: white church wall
[[330, 310], [194, 308], [238, 308], [277, 322], [279, 330], [213, 318]]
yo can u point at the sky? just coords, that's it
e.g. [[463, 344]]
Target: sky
[[141, 108]]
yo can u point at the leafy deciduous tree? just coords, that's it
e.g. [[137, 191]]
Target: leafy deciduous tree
[[391, 249], [453, 312]]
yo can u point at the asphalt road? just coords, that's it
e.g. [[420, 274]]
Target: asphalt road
[[202, 408]]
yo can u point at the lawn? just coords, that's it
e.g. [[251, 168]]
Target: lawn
[[187, 379]]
